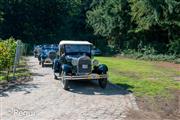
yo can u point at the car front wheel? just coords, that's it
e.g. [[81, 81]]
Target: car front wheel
[[42, 64], [55, 77], [103, 82], [65, 83]]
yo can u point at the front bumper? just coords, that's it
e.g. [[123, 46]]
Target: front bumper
[[86, 77], [47, 61]]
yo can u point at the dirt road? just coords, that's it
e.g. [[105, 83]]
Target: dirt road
[[44, 99]]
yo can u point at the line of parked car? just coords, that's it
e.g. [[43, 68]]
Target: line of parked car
[[72, 60], [46, 53]]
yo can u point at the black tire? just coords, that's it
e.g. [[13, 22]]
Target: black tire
[[39, 62], [65, 83], [42, 64], [52, 66], [55, 77], [103, 83]]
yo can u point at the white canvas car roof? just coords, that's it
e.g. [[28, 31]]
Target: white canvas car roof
[[75, 42]]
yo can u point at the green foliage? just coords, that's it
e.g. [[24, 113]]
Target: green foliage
[[7, 54], [177, 60], [148, 55], [109, 19], [118, 23], [44, 21], [175, 46], [148, 13], [159, 19], [21, 71], [126, 22]]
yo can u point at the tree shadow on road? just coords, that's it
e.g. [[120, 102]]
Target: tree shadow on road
[[16, 86], [93, 88], [37, 74]]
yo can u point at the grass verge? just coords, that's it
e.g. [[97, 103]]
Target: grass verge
[[152, 83], [21, 71], [143, 78]]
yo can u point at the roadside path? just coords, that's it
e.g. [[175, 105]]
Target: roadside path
[[44, 99]]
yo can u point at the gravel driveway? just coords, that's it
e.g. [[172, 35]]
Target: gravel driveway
[[44, 99]]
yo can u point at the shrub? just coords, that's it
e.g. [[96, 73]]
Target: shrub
[[7, 54], [175, 46], [148, 53]]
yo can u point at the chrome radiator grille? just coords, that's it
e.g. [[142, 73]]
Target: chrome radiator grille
[[84, 65], [52, 55]]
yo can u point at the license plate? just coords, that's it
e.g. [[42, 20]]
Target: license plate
[[93, 76], [47, 61], [85, 66]]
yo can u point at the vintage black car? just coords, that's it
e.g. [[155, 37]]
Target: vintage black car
[[76, 62], [48, 54]]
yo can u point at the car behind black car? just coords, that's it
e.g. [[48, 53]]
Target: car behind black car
[[48, 54]]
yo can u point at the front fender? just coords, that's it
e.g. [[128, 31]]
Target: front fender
[[43, 57], [39, 57], [56, 65], [66, 68], [102, 68]]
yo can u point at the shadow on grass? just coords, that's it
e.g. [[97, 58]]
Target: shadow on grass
[[125, 87], [93, 88]]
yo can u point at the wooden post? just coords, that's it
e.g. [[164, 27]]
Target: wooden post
[[16, 59]]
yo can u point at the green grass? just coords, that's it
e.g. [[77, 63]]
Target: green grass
[[21, 71], [2, 78], [2, 75], [143, 78]]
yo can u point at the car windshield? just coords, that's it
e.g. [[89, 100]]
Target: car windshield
[[77, 48], [47, 48]]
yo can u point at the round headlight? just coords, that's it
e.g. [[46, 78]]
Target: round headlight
[[74, 62], [95, 62]]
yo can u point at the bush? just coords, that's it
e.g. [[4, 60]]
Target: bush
[[148, 53], [7, 54], [110, 50], [175, 46]]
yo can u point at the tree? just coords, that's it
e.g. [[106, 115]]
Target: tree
[[110, 19], [160, 19], [33, 21], [123, 23]]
